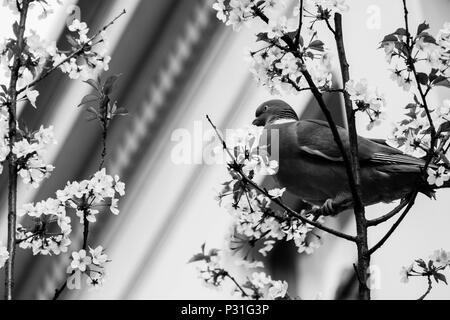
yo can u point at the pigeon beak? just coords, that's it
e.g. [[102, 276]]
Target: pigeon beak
[[257, 122]]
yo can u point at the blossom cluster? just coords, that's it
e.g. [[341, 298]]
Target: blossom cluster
[[323, 9], [237, 13], [45, 6], [92, 53], [254, 216], [422, 60], [30, 153], [438, 262], [368, 100], [429, 55], [412, 134], [51, 231], [91, 264], [251, 156], [85, 59], [258, 286], [275, 63]]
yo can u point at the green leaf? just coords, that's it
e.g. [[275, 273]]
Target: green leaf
[[90, 98], [93, 111], [16, 29], [422, 78], [422, 27], [440, 277], [400, 32], [109, 84], [213, 252], [121, 111], [197, 257], [317, 45], [445, 127], [421, 263], [390, 38], [71, 40], [442, 82], [262, 36], [433, 75], [426, 37], [94, 84]]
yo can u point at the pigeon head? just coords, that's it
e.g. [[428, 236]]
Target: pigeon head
[[274, 111]]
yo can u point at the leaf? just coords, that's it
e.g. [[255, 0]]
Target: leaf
[[92, 110], [445, 127], [442, 82], [203, 247], [71, 41], [213, 252], [426, 37], [109, 83], [317, 45], [400, 31], [121, 111], [262, 36], [16, 29], [390, 38], [421, 263], [91, 117], [422, 27], [94, 84], [422, 78], [197, 257], [433, 75], [88, 99], [440, 277]]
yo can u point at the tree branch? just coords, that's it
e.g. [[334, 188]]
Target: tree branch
[[389, 215], [396, 224], [358, 206], [12, 159]]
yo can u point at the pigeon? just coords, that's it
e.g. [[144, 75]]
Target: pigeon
[[310, 164]]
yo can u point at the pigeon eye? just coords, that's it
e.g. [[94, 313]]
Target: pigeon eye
[[266, 108]]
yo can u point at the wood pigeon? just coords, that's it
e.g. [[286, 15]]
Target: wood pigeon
[[311, 166]]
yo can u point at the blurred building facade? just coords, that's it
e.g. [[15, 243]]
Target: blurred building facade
[[178, 64]]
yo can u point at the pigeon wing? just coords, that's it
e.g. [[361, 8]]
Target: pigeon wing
[[315, 137]]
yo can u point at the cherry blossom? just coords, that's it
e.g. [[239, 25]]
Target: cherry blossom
[[438, 177], [80, 260]]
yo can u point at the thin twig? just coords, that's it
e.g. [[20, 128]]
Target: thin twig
[[389, 215], [300, 23], [396, 224], [244, 294], [430, 286]]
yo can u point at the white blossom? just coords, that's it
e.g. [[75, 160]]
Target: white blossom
[[80, 260]]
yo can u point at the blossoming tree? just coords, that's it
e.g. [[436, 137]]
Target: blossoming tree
[[45, 227], [289, 57]]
